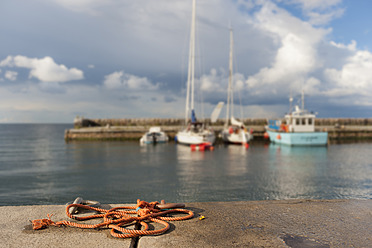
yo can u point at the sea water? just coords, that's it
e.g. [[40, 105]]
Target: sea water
[[38, 167]]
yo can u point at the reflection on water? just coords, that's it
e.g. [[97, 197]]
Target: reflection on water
[[297, 170], [186, 156], [236, 163], [38, 167]]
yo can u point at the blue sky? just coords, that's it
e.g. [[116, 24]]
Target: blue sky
[[127, 59]]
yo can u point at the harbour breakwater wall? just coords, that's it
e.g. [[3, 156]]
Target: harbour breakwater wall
[[133, 128], [82, 122]]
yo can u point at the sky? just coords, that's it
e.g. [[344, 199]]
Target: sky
[[128, 59]]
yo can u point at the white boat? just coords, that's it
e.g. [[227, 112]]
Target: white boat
[[234, 131], [195, 132], [153, 136], [298, 129]]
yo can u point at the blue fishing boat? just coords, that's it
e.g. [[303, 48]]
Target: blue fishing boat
[[297, 129]]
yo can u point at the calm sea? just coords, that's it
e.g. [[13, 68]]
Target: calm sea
[[38, 167]]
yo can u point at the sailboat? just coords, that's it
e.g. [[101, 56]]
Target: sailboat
[[234, 131], [195, 132]]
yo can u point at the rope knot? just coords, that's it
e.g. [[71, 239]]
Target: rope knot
[[117, 220], [42, 223], [145, 208]]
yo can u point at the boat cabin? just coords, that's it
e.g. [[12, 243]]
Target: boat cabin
[[300, 120], [155, 130]]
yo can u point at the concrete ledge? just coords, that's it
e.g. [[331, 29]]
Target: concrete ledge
[[288, 223]]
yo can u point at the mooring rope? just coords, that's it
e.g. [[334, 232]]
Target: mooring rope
[[116, 218]]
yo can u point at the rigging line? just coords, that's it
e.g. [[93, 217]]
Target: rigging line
[[200, 65], [236, 67], [184, 59]]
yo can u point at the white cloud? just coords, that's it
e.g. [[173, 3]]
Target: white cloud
[[320, 12], [296, 56], [316, 4], [303, 61], [8, 61], [11, 75], [114, 80], [119, 79], [317, 18], [45, 69], [356, 75], [311, 86], [213, 82], [351, 46]]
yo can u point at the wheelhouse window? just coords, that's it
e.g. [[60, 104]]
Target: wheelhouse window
[[297, 121], [303, 121], [310, 121]]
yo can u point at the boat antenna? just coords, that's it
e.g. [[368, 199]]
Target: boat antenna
[[290, 102], [303, 99]]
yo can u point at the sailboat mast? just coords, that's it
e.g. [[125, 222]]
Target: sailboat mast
[[191, 69], [193, 52], [229, 89]]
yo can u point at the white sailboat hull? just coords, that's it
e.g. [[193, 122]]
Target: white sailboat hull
[[188, 137], [240, 137]]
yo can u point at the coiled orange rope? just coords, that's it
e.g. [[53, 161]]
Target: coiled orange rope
[[116, 218]]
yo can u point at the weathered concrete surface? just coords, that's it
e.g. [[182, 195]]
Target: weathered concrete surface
[[292, 223], [302, 223]]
